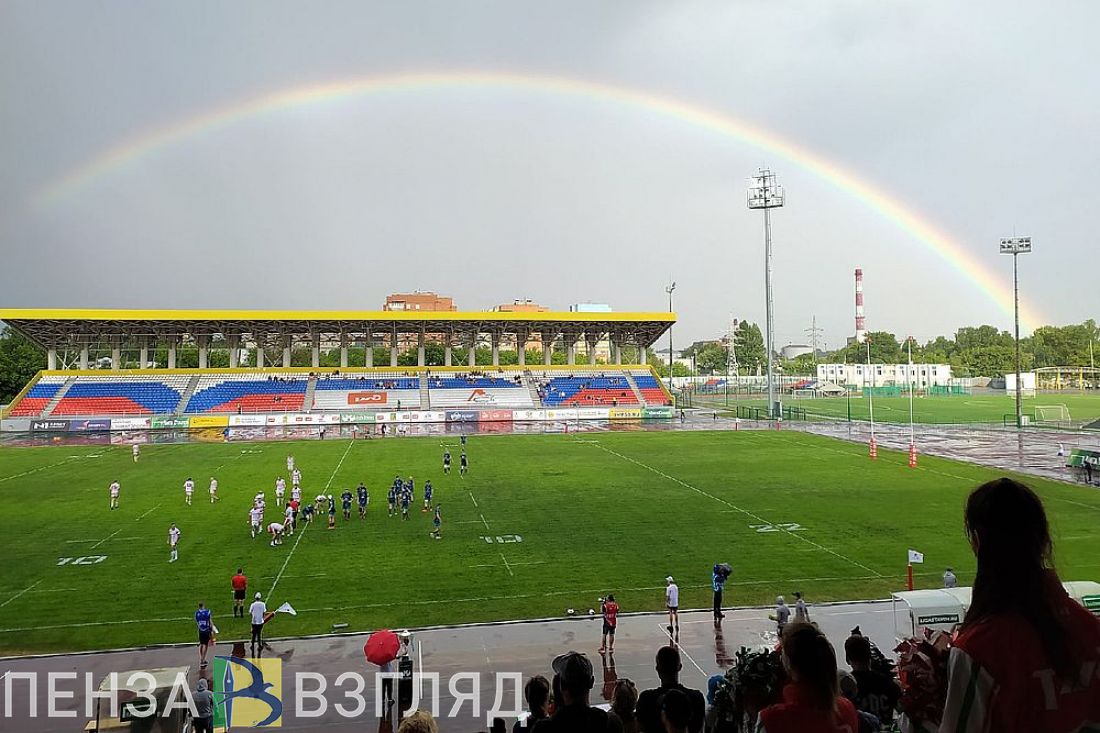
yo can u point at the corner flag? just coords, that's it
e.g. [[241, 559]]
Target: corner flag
[[916, 557]]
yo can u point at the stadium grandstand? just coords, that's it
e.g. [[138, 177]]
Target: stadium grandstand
[[80, 384]]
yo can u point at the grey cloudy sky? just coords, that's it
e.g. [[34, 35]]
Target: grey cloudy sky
[[979, 116]]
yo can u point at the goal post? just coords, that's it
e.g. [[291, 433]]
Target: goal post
[[1052, 414]]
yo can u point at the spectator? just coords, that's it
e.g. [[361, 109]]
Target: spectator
[[537, 694], [876, 693], [949, 579], [573, 673], [713, 711], [849, 688], [203, 720], [609, 609], [624, 700], [420, 721], [1022, 658], [811, 700], [675, 712], [257, 611], [649, 702]]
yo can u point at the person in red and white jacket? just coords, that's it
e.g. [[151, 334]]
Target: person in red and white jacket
[[1027, 658]]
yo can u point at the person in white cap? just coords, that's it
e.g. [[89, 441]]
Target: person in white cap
[[672, 602], [257, 611]]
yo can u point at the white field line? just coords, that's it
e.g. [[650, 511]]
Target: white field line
[[746, 512], [675, 643], [35, 470], [506, 565], [473, 500], [435, 602], [484, 522], [20, 593], [302, 534], [105, 539], [143, 516]]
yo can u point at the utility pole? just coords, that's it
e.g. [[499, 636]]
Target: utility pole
[[1017, 246], [731, 356], [669, 289], [812, 332], [765, 194]]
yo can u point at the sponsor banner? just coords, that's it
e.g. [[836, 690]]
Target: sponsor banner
[[562, 415], [240, 421], [463, 415], [50, 425], [405, 416], [171, 421], [209, 421], [330, 419], [277, 419], [657, 412], [357, 417], [131, 423], [528, 415], [385, 417], [625, 413], [297, 418], [1092, 603], [480, 397], [368, 398], [595, 413], [15, 425], [433, 416], [495, 416], [937, 619], [89, 426]]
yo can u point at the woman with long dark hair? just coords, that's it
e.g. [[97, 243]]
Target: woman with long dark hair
[[1027, 658], [812, 702]]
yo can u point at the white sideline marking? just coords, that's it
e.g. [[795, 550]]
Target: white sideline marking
[[105, 539], [746, 512], [675, 643], [34, 470], [54, 590], [303, 532], [143, 516], [473, 500], [506, 565], [483, 521], [20, 593]]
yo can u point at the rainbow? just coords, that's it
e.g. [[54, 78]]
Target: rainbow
[[132, 150]]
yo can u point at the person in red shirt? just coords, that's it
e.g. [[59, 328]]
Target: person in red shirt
[[240, 589], [812, 699], [1027, 658], [610, 611]]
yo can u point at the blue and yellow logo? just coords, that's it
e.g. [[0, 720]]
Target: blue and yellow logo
[[248, 693]]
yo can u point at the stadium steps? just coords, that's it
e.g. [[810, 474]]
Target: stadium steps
[[188, 393], [311, 389], [529, 380], [634, 387], [57, 397], [425, 399]]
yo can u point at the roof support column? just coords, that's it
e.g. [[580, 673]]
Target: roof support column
[[368, 350], [420, 359], [495, 340], [315, 352], [393, 347], [116, 357], [143, 352], [547, 348], [590, 342], [570, 349], [51, 359], [617, 348], [343, 351], [471, 357], [447, 353], [521, 347], [234, 351], [204, 349], [259, 350], [84, 356], [172, 341], [286, 352]]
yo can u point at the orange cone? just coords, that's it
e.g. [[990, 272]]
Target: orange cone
[[912, 455], [874, 449]]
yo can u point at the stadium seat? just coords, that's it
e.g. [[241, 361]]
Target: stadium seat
[[506, 389], [651, 389], [375, 391], [38, 397], [118, 395], [591, 389], [248, 393]]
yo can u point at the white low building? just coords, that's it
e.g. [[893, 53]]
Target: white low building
[[886, 375]]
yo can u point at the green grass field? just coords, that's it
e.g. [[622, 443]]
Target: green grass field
[[596, 513], [936, 410]]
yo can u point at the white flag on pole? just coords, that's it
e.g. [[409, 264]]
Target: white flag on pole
[[286, 608], [915, 557]]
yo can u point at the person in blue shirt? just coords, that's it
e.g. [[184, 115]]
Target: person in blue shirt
[[446, 461], [331, 512], [406, 497], [463, 464], [345, 501], [410, 487], [437, 523], [307, 511], [206, 629], [462, 438], [364, 498], [428, 494], [391, 498], [719, 576]]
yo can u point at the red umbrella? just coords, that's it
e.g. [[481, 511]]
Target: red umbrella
[[382, 647]]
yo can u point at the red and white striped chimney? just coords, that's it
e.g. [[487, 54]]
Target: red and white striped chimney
[[861, 331]]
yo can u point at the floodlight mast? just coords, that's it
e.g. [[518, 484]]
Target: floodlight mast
[[1016, 246], [765, 194]]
